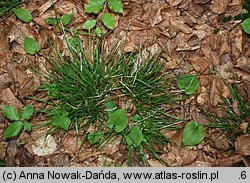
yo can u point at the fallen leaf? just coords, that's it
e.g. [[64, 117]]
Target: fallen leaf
[[200, 64], [219, 6], [8, 98], [242, 145], [45, 145]]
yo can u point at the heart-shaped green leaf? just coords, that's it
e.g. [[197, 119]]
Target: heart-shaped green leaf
[[23, 14], [65, 19], [28, 111], [13, 130], [135, 136], [31, 46], [188, 82], [118, 120], [94, 6], [116, 5], [246, 25], [89, 24], [61, 122], [108, 20], [193, 134], [10, 112]]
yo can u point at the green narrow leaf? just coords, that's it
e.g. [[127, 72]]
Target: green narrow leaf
[[61, 122], [23, 14], [135, 136], [118, 120], [10, 112], [246, 25], [193, 134], [116, 6], [89, 24], [13, 130], [27, 112], [98, 32], [188, 82], [31, 46], [108, 20], [94, 6], [51, 21], [65, 19], [27, 126]]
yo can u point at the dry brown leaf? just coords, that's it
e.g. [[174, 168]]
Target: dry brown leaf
[[179, 156], [8, 98], [228, 161], [218, 139], [242, 145], [200, 164], [71, 145], [4, 42], [45, 7], [218, 87], [176, 139], [179, 24], [174, 2], [200, 64], [219, 6]]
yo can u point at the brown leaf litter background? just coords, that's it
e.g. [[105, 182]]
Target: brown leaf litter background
[[183, 28]]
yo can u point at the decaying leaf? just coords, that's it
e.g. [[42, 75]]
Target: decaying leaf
[[44, 146], [243, 145], [219, 6]]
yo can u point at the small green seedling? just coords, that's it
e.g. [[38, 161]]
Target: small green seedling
[[60, 119], [31, 46], [64, 19], [108, 20], [188, 82], [135, 137], [19, 121], [118, 120], [193, 134], [23, 15]]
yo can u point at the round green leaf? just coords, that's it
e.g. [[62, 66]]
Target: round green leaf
[[108, 20], [193, 134], [23, 14], [135, 136], [10, 112], [94, 6], [89, 24], [65, 19], [118, 120], [61, 122], [116, 5], [188, 82], [31, 46], [13, 130], [246, 25]]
